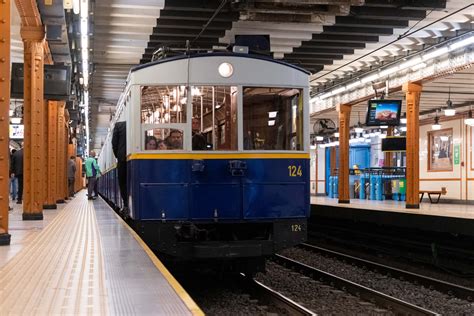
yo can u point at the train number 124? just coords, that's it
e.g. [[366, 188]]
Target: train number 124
[[295, 171]]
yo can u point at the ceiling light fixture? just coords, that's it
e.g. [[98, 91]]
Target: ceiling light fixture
[[449, 111], [436, 126], [470, 120]]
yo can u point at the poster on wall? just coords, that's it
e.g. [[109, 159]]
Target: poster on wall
[[440, 148]]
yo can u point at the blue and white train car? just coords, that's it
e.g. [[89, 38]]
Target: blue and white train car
[[217, 155]]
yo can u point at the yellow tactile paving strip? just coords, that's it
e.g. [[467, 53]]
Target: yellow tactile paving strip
[[61, 271]]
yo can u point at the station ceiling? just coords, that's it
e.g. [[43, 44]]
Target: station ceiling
[[334, 39]]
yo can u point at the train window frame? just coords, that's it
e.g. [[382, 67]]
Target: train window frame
[[224, 131], [301, 127], [182, 126]]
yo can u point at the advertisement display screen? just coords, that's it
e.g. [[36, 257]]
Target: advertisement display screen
[[16, 131], [394, 144], [384, 112]]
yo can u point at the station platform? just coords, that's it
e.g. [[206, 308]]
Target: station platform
[[83, 259], [442, 217]]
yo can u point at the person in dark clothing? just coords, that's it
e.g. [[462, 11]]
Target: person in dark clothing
[[199, 141], [119, 147], [17, 171], [71, 175]]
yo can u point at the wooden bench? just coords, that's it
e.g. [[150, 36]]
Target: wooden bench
[[433, 192]]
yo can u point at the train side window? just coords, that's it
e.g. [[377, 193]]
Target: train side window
[[214, 123], [163, 104], [272, 118], [163, 139]]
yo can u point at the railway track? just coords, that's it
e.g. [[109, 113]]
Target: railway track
[[431, 283], [271, 297], [391, 303]]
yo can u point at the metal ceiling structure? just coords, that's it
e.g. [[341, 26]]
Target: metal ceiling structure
[[334, 39]]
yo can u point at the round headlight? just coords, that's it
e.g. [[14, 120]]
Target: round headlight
[[226, 70]]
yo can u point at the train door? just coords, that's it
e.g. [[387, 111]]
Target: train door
[[213, 185]]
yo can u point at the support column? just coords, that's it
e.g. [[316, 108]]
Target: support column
[[413, 91], [343, 177], [34, 160], [4, 119], [387, 161], [61, 159], [51, 196], [66, 151]]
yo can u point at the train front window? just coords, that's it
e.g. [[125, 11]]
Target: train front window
[[272, 118], [214, 123], [163, 104]]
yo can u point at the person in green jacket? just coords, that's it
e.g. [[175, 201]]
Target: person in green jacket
[[92, 172]]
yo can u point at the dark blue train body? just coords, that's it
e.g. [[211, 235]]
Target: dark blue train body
[[207, 208]]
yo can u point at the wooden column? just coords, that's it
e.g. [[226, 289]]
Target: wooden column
[[61, 156], [4, 119], [343, 177], [413, 91], [66, 151], [33, 157], [52, 143], [387, 161]]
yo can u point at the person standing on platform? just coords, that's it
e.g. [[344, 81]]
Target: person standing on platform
[[17, 172], [119, 147], [13, 180], [71, 174], [92, 171]]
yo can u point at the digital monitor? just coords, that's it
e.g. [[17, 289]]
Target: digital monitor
[[394, 144], [57, 81], [384, 112], [17, 131]]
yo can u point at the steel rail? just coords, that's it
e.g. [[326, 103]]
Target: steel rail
[[391, 303], [439, 285], [269, 296]]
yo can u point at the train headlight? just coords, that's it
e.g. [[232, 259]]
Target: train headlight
[[226, 70]]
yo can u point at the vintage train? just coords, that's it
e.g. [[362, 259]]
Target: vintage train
[[217, 156]]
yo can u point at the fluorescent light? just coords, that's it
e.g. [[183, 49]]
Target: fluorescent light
[[410, 62], [450, 112], [76, 6], [272, 114], [325, 96], [336, 134], [319, 138], [403, 120], [353, 84], [312, 146], [383, 126], [84, 8], [418, 66], [338, 90], [370, 78], [388, 71], [444, 138], [462, 43], [435, 53], [271, 122], [15, 120]]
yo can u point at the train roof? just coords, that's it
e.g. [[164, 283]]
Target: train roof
[[184, 56]]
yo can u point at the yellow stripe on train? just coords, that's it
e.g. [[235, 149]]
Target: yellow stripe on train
[[218, 156]]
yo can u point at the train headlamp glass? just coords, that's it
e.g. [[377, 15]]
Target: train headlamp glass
[[226, 70]]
